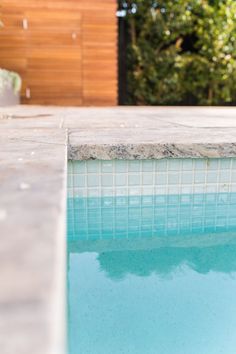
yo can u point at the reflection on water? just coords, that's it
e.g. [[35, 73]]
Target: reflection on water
[[167, 290], [164, 261]]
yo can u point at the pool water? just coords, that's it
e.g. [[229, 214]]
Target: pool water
[[152, 275]]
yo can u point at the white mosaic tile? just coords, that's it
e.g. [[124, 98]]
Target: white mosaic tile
[[148, 177]]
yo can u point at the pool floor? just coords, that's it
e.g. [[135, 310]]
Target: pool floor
[[169, 293]]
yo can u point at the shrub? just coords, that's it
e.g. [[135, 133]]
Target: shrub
[[10, 79], [181, 52]]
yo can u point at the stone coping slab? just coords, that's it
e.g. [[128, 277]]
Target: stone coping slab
[[35, 143], [134, 132]]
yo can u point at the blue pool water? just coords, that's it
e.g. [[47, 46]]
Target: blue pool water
[[149, 275]]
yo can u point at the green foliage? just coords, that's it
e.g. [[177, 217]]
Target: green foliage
[[10, 79], [181, 52]]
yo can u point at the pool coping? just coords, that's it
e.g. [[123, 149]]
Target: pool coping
[[36, 143]]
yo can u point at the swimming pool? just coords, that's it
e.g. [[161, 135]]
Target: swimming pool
[[152, 262]]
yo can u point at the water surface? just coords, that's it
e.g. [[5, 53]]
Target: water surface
[[167, 287]]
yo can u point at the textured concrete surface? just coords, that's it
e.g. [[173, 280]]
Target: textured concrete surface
[[33, 146], [142, 133], [135, 133], [32, 229]]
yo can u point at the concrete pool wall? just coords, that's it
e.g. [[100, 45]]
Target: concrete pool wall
[[35, 144]]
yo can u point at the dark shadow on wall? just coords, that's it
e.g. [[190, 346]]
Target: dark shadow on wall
[[122, 56]]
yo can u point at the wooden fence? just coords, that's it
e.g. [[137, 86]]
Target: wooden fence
[[64, 50]]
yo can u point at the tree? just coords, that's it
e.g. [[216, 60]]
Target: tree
[[181, 51]]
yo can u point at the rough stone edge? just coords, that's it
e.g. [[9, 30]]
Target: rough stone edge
[[149, 151]]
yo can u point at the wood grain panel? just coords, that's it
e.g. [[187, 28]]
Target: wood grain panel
[[105, 7], [66, 53], [45, 20]]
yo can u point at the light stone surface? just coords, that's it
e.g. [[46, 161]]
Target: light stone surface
[[149, 133], [33, 146], [32, 247], [135, 132]]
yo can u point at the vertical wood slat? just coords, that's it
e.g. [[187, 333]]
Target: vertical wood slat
[[67, 53]]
